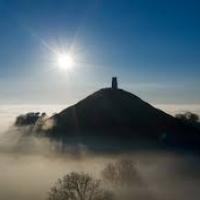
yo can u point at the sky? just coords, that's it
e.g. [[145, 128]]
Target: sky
[[153, 47]]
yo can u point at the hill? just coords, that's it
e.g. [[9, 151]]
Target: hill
[[113, 117]]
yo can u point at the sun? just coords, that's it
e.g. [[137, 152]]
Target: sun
[[65, 61]]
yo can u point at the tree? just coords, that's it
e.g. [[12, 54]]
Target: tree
[[29, 119], [122, 172], [188, 116], [78, 186]]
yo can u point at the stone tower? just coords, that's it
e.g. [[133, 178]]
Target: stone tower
[[114, 83]]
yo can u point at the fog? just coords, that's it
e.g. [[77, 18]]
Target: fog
[[29, 166]]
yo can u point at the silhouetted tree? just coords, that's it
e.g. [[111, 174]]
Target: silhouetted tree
[[122, 172], [188, 116], [78, 186], [29, 118]]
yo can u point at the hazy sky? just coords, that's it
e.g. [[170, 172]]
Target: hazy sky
[[152, 46]]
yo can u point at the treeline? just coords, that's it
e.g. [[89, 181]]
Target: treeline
[[30, 118], [189, 118]]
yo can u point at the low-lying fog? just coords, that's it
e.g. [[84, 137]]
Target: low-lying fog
[[30, 166]]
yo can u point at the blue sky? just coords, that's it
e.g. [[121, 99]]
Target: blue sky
[[152, 46]]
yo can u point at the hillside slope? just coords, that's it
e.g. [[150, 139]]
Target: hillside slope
[[117, 115]]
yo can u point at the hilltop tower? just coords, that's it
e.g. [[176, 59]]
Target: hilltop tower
[[114, 83]]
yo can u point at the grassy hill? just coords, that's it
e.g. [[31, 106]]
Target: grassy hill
[[114, 117]]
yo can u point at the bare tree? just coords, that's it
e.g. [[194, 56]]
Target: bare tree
[[78, 186], [110, 173], [122, 172]]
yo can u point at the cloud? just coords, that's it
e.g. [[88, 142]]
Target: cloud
[[31, 165]]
